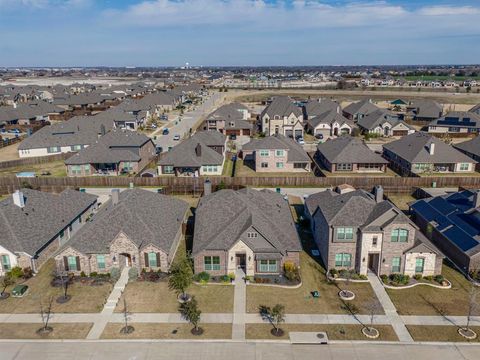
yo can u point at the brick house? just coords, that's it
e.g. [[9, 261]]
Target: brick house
[[283, 117], [361, 231], [248, 229], [36, 224], [230, 119], [135, 228]]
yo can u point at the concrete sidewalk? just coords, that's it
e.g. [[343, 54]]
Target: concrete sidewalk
[[239, 306]]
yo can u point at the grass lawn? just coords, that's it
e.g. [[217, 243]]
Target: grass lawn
[[334, 332], [56, 168], [60, 331], [227, 168], [425, 300], [243, 170], [85, 298], [168, 331], [401, 200], [444, 333]]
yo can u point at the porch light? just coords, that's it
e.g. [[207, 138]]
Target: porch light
[[249, 258], [363, 260], [383, 260], [114, 258], [133, 258], [231, 258]]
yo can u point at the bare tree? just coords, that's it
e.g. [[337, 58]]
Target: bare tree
[[472, 305], [46, 314], [6, 282], [127, 329], [373, 308]]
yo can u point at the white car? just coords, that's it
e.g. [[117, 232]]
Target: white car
[[300, 140], [176, 137]]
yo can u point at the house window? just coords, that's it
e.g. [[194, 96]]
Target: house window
[[419, 265], [396, 261], [152, 259], [86, 169], [72, 263], [345, 233], [53, 149], [375, 241], [464, 166], [344, 167], [76, 169], [211, 262], [6, 262], [399, 235], [278, 152], [299, 165], [252, 235], [127, 166], [268, 266], [76, 147], [343, 260], [62, 234], [168, 169], [264, 165], [264, 153], [101, 262], [279, 165]]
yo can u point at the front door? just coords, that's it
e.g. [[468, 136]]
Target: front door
[[373, 262], [241, 261]]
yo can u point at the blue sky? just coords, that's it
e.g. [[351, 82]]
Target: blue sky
[[238, 32]]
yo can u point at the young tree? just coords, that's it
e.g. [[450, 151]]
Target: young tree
[[278, 316], [65, 281], [181, 278], [127, 329], [192, 313], [6, 282], [46, 314], [472, 306]]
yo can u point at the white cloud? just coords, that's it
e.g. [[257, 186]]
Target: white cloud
[[43, 4], [449, 11]]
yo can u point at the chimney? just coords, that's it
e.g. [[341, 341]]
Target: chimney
[[476, 199], [378, 192], [19, 199], [198, 150], [14, 105], [207, 188], [115, 195], [338, 109], [431, 148]]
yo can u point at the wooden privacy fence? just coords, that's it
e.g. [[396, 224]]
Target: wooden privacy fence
[[34, 160], [390, 184]]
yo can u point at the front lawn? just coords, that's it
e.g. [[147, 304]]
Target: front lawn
[[85, 298], [426, 300], [168, 331], [443, 333], [334, 332], [60, 331]]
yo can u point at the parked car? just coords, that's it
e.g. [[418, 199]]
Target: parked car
[[300, 140], [19, 290], [164, 117], [319, 136], [165, 131], [153, 126], [176, 137], [233, 137]]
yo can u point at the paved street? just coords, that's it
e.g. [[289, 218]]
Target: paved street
[[140, 350]]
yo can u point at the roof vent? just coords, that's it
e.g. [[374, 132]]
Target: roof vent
[[198, 150]]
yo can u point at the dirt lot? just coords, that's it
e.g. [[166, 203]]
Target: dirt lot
[[9, 152]]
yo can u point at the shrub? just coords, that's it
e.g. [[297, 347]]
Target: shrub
[[132, 273], [27, 273], [202, 277], [333, 272], [82, 274], [93, 274], [291, 271], [115, 273], [225, 278], [439, 278], [16, 272], [289, 266], [363, 277], [152, 276], [417, 277], [428, 278], [231, 276], [384, 278], [399, 279]]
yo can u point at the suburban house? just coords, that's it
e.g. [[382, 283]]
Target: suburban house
[[117, 152], [475, 109], [384, 123], [230, 119], [451, 223], [349, 154], [424, 110], [248, 229], [356, 111], [459, 123], [423, 153], [276, 153], [283, 117], [201, 154], [316, 107], [362, 231], [324, 119], [134, 228], [69, 136], [470, 148], [35, 224]]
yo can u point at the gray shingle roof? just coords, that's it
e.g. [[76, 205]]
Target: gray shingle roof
[[426, 109], [329, 117], [42, 218], [363, 107], [378, 118], [471, 146], [144, 216], [228, 112], [414, 148], [462, 119], [281, 106], [320, 106], [223, 217], [278, 142], [349, 150]]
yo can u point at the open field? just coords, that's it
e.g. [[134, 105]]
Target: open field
[[85, 298], [168, 331], [425, 300], [60, 331], [334, 332], [440, 333], [56, 168]]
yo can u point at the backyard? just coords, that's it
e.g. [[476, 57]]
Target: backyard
[[55, 168], [85, 298], [242, 169]]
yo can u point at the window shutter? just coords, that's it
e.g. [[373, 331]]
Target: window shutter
[[146, 260], [65, 263], [158, 259], [78, 263]]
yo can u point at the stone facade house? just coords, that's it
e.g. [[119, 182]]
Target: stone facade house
[[283, 117], [384, 123], [361, 231], [324, 119], [135, 228], [357, 110], [276, 153], [35, 224], [248, 229], [230, 119]]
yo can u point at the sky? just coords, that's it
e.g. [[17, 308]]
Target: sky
[[238, 32]]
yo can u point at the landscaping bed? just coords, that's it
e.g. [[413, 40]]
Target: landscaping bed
[[280, 280], [401, 281], [443, 333], [346, 275], [168, 331]]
